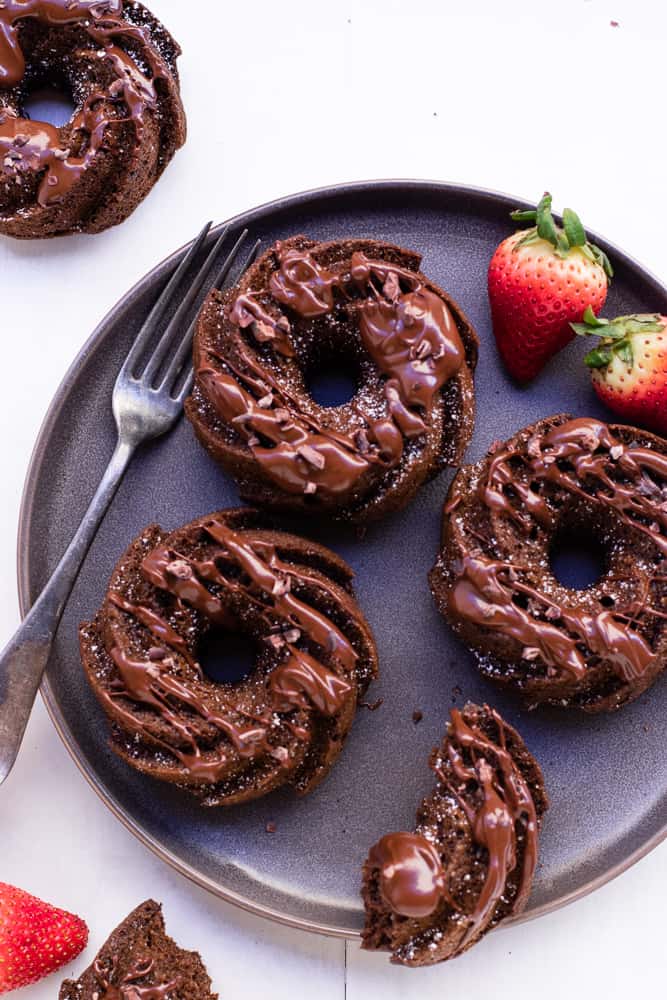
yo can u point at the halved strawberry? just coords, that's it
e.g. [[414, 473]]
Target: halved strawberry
[[629, 366], [540, 281], [35, 938]]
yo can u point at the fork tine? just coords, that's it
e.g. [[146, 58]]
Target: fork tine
[[186, 388], [150, 326], [250, 258], [160, 352], [175, 368], [227, 265]]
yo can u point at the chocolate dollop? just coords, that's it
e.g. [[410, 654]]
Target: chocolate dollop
[[412, 879]]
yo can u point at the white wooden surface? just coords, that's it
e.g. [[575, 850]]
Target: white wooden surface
[[517, 96]]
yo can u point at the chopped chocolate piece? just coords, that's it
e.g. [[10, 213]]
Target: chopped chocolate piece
[[372, 706], [312, 456]]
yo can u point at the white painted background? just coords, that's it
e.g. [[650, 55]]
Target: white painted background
[[516, 95]]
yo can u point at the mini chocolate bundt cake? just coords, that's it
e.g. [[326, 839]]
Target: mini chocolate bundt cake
[[283, 724], [301, 306], [432, 894], [596, 648], [119, 64], [141, 962]]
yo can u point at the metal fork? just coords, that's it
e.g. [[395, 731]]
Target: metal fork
[[147, 402]]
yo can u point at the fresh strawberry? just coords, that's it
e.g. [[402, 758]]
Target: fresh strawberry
[[35, 938], [629, 366], [541, 280]]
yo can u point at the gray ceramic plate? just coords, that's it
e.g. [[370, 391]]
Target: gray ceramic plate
[[607, 776]]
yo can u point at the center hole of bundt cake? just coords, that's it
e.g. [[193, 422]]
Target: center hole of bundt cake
[[331, 367], [333, 385], [226, 657], [577, 558], [53, 104]]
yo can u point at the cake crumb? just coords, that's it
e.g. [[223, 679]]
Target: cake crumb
[[417, 716], [372, 706]]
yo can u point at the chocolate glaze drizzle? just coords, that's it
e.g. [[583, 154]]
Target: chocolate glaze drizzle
[[302, 284], [505, 809], [411, 335], [406, 329], [29, 147], [128, 988], [247, 312], [585, 459], [53, 12], [302, 459], [157, 625], [247, 573], [484, 593], [503, 821], [595, 456]]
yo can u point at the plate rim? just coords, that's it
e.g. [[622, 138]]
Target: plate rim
[[28, 498]]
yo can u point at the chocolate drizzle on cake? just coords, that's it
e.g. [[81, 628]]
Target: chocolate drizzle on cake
[[309, 664], [129, 987], [596, 458], [157, 625], [420, 903], [596, 647], [485, 594], [406, 329], [300, 682], [120, 64], [302, 284], [12, 62], [247, 312], [504, 810], [28, 146], [304, 457], [412, 878]]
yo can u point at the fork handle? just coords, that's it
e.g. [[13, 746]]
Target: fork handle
[[24, 659]]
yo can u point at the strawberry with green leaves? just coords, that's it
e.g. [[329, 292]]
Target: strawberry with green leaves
[[35, 938], [629, 366], [541, 280]]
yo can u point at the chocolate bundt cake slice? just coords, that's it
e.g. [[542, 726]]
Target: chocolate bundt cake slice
[[596, 648], [432, 894], [300, 308], [226, 575], [119, 65], [140, 962]]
